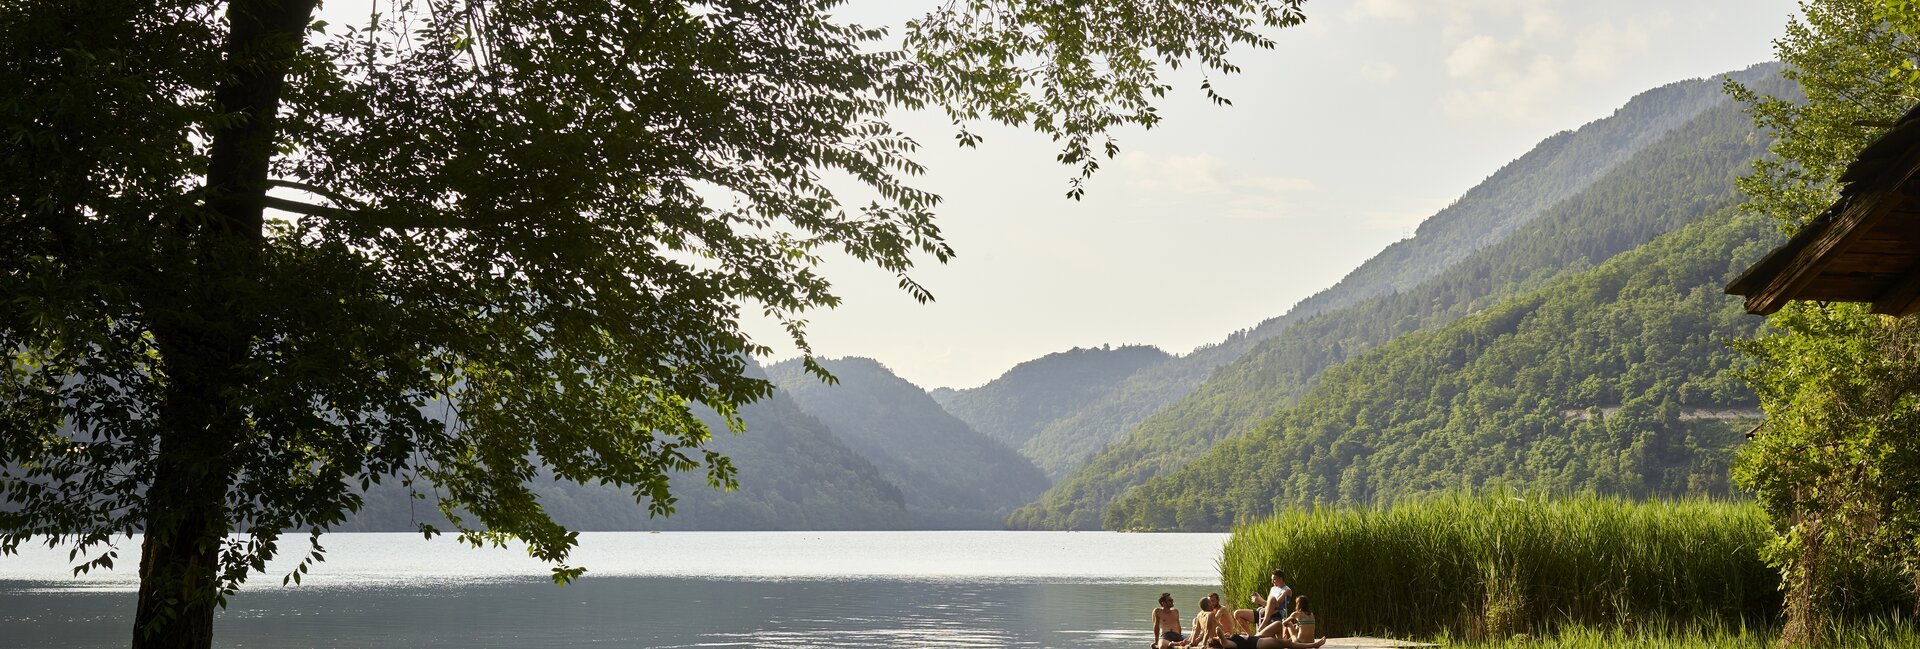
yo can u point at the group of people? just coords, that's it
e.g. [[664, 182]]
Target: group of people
[[1268, 625]]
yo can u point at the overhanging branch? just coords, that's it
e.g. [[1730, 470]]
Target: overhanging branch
[[363, 215], [329, 194]]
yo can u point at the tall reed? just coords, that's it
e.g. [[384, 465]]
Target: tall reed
[[1855, 633], [1494, 565]]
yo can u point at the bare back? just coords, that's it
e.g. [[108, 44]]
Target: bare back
[[1205, 627]]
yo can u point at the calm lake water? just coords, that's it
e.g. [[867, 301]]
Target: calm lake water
[[671, 589]]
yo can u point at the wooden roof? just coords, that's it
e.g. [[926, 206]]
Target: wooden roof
[[1865, 248]]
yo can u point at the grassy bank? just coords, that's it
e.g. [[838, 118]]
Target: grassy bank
[[1493, 566], [1865, 634]]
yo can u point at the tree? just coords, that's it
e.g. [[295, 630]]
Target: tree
[[254, 264], [1837, 463]]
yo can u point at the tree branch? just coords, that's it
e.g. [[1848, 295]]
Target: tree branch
[[329, 194], [366, 216]]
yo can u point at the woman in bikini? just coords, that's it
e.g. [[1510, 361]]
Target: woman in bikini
[[1296, 631], [1267, 642], [1299, 626]]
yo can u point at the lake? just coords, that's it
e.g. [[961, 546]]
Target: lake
[[669, 589]]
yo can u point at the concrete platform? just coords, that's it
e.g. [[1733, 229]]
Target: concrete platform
[[1370, 643]]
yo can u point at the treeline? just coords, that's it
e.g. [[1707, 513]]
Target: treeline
[[1557, 168], [1612, 381], [1675, 181]]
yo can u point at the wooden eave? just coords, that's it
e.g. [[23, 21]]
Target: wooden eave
[[1865, 248]]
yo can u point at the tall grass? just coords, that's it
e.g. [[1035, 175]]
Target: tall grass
[[1586, 637], [1862, 633], [1495, 565]]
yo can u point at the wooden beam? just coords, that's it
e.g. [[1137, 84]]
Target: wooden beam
[[1750, 282], [1805, 265], [1863, 208], [1903, 298], [1854, 260]]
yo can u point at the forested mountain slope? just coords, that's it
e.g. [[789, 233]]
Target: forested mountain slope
[[1613, 380], [1017, 405], [793, 473], [1675, 181], [1555, 169], [950, 475]]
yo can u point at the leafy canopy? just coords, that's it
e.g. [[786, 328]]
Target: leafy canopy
[[505, 235], [1837, 463]]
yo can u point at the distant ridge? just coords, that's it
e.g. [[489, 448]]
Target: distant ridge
[[951, 476], [1485, 401], [794, 474], [1017, 405], [1555, 169], [1428, 279]]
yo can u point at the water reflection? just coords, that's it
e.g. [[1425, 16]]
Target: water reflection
[[776, 595]]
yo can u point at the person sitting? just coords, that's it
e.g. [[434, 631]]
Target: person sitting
[[1270, 607], [1206, 626], [1166, 624], [1296, 631], [1299, 626], [1229, 619]]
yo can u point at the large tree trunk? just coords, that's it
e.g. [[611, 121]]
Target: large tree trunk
[[205, 334], [186, 521]]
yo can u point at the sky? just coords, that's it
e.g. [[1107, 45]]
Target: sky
[[1364, 121]]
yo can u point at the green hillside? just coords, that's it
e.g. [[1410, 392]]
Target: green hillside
[[1612, 380], [1554, 170], [951, 476], [793, 475], [1678, 179], [1017, 405]]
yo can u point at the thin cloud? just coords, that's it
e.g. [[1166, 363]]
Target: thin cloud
[[1211, 180], [1201, 174], [1486, 56], [1379, 72], [1259, 207], [1404, 219], [1518, 76], [1390, 9], [1599, 50]]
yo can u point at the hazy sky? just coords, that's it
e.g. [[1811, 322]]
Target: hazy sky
[[1364, 121]]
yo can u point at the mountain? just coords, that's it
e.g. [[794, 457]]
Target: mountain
[[1614, 380], [1017, 405], [1556, 169], [951, 476], [1684, 175], [793, 474]]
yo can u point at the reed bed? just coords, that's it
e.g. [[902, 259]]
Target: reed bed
[[1873, 633], [1586, 637], [1500, 565]]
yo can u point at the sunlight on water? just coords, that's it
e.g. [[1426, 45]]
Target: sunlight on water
[[674, 589], [378, 560]]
